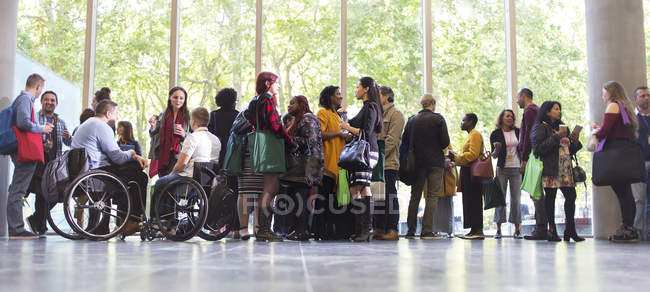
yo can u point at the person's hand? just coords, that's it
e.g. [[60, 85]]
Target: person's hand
[[452, 156], [47, 128], [178, 130], [143, 162], [497, 149], [152, 121], [562, 132], [66, 134], [345, 126], [522, 169]]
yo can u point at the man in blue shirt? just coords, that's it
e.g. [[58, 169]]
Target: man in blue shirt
[[23, 171], [96, 136]]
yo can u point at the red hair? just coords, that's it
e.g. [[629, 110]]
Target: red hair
[[260, 82], [303, 108]]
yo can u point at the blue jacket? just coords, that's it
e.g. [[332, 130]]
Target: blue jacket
[[23, 110]]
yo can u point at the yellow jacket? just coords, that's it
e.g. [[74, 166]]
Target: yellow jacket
[[471, 150]]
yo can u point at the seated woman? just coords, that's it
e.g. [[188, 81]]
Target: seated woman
[[127, 141], [200, 146]]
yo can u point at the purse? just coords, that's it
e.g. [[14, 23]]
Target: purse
[[267, 151], [579, 174], [618, 161], [493, 195], [482, 168], [356, 155], [304, 169], [30, 145], [407, 163]]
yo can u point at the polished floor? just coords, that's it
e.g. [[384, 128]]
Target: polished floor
[[57, 264]]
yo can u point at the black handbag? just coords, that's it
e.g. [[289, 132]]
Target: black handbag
[[304, 169], [407, 163], [356, 155], [493, 195], [579, 174], [618, 161]]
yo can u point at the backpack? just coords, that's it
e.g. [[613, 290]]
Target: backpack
[[8, 140]]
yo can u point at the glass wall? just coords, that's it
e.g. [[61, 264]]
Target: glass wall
[[552, 62], [217, 49], [301, 44], [132, 59]]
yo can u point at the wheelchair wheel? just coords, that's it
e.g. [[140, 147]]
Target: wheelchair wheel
[[56, 219], [180, 209], [90, 205], [221, 213]]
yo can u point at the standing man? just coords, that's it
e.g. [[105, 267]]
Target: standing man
[[640, 190], [52, 148], [431, 136], [387, 212], [23, 108], [525, 101]]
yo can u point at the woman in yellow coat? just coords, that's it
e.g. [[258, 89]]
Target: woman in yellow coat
[[472, 197]]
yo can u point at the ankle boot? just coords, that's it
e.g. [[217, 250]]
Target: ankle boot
[[264, 232], [553, 233], [363, 221], [571, 233]]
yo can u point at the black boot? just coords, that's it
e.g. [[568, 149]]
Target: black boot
[[553, 233], [362, 221], [571, 233], [539, 233], [300, 233], [264, 232]]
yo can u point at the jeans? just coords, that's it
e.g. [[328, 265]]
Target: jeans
[[387, 211], [22, 177], [513, 176], [433, 177], [640, 192]]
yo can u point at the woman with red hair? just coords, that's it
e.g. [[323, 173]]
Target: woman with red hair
[[305, 167], [263, 114]]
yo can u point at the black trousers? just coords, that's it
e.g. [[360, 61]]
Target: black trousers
[[329, 221], [626, 202], [131, 171], [472, 200]]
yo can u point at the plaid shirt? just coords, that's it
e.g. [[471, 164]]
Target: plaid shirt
[[60, 127], [271, 120]]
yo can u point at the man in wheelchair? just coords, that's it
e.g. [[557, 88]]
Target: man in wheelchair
[[199, 146], [97, 137]]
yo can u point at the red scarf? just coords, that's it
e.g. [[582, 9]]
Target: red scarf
[[168, 140]]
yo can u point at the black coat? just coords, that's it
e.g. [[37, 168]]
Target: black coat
[[546, 147], [498, 136], [430, 138]]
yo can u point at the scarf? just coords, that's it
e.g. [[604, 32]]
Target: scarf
[[169, 142]]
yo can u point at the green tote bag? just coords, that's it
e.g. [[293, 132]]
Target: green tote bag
[[267, 151], [532, 182]]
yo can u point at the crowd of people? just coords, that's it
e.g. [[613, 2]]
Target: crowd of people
[[326, 176]]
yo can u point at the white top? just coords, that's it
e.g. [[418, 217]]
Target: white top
[[200, 146], [512, 159]]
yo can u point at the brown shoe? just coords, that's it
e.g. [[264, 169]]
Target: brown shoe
[[376, 235], [391, 235], [131, 227]]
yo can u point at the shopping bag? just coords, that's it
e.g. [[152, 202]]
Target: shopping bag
[[532, 182], [493, 195], [342, 188]]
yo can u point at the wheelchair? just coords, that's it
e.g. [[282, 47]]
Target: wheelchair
[[202, 205]]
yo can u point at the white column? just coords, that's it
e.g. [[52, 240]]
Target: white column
[[615, 51], [258, 37], [427, 47], [173, 44], [511, 55], [344, 52], [89, 53], [8, 24]]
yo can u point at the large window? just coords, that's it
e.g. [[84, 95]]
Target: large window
[[301, 44], [217, 49], [132, 58], [552, 62], [385, 42], [469, 70]]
